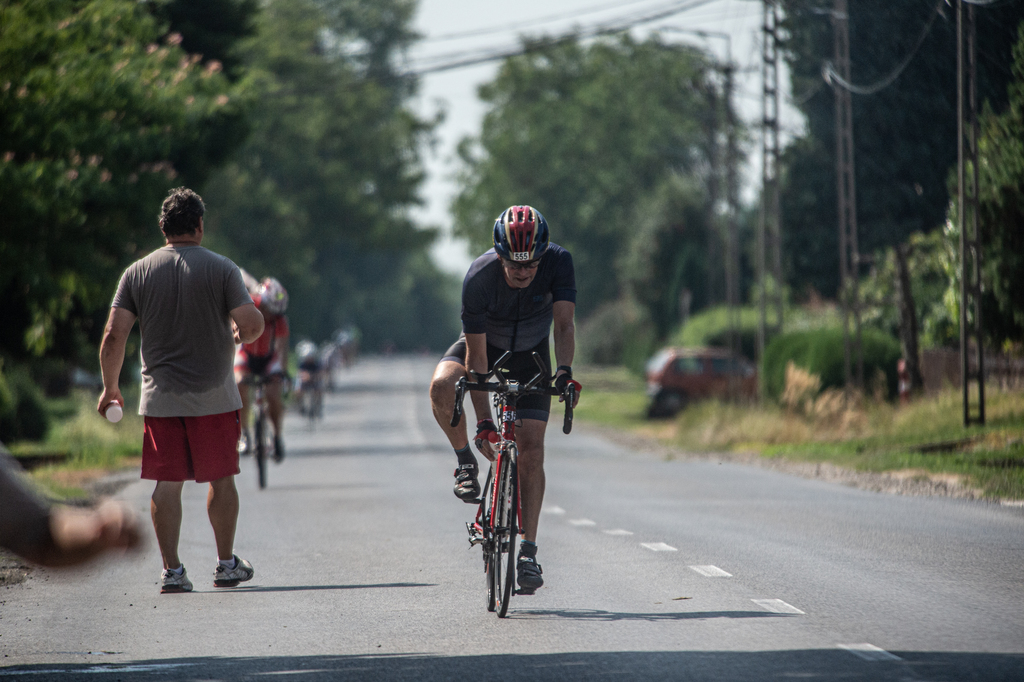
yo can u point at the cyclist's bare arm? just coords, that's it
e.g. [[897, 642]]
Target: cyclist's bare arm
[[476, 360], [247, 322], [565, 335], [115, 335]]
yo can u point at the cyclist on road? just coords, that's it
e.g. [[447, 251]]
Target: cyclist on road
[[312, 370], [267, 356], [510, 297]]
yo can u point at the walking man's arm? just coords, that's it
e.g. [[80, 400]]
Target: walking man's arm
[[248, 323], [115, 335]]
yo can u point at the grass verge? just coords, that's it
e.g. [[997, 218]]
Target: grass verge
[[81, 447], [924, 438]]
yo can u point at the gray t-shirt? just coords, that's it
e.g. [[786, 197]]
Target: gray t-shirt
[[182, 296]]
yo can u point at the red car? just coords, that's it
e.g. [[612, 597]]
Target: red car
[[676, 376]]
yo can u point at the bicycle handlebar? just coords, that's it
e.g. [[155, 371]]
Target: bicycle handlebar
[[503, 387]]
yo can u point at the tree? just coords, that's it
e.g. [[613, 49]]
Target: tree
[[102, 112], [589, 135], [1001, 211], [905, 135], [320, 194]]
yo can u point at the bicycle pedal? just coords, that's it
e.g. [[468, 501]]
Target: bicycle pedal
[[522, 591], [475, 538]]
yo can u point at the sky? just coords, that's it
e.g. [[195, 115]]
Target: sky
[[453, 29]]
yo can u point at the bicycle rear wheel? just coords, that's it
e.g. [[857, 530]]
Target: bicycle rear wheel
[[260, 436], [506, 531]]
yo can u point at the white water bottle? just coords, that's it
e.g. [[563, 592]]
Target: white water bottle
[[113, 413]]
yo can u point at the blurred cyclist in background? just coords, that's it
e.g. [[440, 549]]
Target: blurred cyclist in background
[[310, 384], [267, 356]]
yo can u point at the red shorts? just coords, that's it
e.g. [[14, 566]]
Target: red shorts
[[202, 449]]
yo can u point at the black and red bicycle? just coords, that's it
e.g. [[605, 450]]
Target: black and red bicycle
[[497, 519]]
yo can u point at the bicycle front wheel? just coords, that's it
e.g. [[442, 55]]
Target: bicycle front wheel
[[260, 436], [488, 545], [506, 530]]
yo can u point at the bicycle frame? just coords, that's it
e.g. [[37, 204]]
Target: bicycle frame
[[496, 524]]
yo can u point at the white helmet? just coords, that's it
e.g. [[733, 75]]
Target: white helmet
[[273, 297], [305, 349]]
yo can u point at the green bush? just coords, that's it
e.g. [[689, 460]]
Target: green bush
[[25, 416], [820, 352], [710, 327], [617, 333]]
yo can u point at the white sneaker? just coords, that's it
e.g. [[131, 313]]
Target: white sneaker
[[229, 577], [170, 581]]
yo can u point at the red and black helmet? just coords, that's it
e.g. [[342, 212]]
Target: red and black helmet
[[520, 234]]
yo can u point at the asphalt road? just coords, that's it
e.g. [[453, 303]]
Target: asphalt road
[[681, 570]]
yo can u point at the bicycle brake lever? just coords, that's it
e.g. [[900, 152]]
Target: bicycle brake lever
[[460, 391], [570, 398]]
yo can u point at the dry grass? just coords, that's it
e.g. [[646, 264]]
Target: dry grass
[[924, 439]]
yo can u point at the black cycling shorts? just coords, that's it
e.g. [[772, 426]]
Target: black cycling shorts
[[519, 367]]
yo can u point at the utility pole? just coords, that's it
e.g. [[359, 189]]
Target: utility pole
[[714, 233], [732, 241], [849, 255], [967, 215], [769, 229]]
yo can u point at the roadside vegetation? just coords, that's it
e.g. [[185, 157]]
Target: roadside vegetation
[[80, 447], [924, 438]]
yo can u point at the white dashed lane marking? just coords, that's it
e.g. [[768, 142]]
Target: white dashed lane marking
[[552, 510], [777, 606], [618, 531], [711, 571], [658, 547], [582, 522], [869, 652]]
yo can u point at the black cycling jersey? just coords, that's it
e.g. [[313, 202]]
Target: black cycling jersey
[[520, 367], [515, 319]]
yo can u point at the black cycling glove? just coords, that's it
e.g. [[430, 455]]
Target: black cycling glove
[[562, 380], [486, 431]]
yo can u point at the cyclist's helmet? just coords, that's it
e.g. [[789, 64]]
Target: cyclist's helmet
[[273, 297], [305, 349], [520, 234]]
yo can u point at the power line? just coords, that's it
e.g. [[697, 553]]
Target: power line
[[465, 59], [833, 78], [542, 20]]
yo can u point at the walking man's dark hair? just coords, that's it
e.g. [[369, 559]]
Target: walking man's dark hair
[[181, 212]]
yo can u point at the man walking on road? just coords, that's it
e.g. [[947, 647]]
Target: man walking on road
[[192, 307]]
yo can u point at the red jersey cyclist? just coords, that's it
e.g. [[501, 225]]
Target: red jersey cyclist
[[510, 297], [267, 356]]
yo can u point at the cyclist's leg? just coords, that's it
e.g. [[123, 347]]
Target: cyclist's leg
[[275, 403], [243, 390], [242, 373], [532, 481], [442, 400]]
